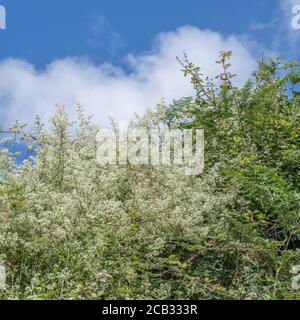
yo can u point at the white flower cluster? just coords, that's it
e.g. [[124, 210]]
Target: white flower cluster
[[69, 226]]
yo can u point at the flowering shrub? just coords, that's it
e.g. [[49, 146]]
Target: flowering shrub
[[72, 229]]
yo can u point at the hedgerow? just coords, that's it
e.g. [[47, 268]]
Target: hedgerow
[[73, 229]]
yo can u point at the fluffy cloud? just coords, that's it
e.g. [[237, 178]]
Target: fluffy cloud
[[106, 90]]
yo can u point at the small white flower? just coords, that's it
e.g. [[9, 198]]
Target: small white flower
[[103, 275]]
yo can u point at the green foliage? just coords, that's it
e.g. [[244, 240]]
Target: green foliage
[[252, 134], [72, 229]]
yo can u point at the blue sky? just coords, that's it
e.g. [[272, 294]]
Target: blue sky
[[41, 31], [118, 57]]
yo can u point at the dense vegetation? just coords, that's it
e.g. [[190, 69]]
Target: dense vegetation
[[70, 228]]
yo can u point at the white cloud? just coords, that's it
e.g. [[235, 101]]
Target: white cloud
[[102, 35], [105, 89], [261, 26]]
